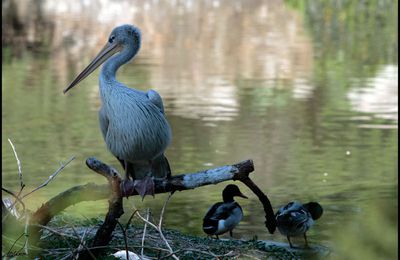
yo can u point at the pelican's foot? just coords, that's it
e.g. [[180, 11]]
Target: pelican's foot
[[127, 187], [144, 186]]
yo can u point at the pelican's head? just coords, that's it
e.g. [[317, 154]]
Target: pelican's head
[[123, 38]]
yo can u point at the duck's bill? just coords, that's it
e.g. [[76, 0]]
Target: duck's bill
[[108, 50], [243, 196]]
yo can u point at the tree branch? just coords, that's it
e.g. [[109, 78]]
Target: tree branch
[[92, 192], [51, 177], [72, 196], [19, 166], [115, 191], [239, 171], [270, 221]]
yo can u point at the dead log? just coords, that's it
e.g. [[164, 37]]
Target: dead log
[[92, 192], [115, 191], [238, 171], [270, 221], [72, 196]]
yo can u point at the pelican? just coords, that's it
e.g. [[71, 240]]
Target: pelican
[[132, 121]]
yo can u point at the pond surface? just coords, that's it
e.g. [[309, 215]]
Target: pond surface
[[306, 89]]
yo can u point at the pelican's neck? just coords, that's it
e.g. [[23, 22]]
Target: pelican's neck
[[110, 67]]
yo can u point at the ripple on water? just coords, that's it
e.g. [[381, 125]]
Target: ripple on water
[[378, 97]]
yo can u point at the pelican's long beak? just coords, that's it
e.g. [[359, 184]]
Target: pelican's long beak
[[108, 50]]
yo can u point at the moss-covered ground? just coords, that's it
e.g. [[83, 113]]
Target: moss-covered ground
[[66, 235]]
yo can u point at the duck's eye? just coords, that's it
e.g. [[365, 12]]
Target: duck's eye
[[112, 38]]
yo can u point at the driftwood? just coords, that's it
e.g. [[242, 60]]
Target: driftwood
[[238, 171], [91, 191], [270, 222], [115, 190]]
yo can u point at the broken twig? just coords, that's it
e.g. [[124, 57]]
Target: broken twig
[[159, 227], [19, 165], [51, 177]]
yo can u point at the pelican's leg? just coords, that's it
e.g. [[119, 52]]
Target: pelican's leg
[[145, 186], [290, 243], [305, 238], [122, 162], [169, 174], [230, 233], [126, 170], [129, 171], [217, 237]]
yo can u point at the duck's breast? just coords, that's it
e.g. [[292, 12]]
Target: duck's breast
[[224, 225], [230, 214]]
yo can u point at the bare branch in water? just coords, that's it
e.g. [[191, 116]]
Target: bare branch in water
[[19, 165], [51, 177]]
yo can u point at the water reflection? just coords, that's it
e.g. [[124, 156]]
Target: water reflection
[[377, 96], [197, 50], [274, 81]]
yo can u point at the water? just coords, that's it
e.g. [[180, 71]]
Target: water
[[308, 90]]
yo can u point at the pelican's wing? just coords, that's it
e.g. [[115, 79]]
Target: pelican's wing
[[156, 99], [103, 120]]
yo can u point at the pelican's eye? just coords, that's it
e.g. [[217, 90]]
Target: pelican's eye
[[112, 38]]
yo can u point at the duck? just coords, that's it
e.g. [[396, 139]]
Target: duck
[[295, 219], [224, 216]]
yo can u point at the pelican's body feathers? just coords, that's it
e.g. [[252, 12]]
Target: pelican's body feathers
[[132, 121], [133, 126]]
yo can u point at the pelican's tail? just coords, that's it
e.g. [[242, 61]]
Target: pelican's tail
[[142, 174], [158, 168]]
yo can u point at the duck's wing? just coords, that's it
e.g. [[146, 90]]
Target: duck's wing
[[299, 217], [293, 205], [294, 222], [210, 224], [212, 210], [232, 215], [224, 210], [222, 217]]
